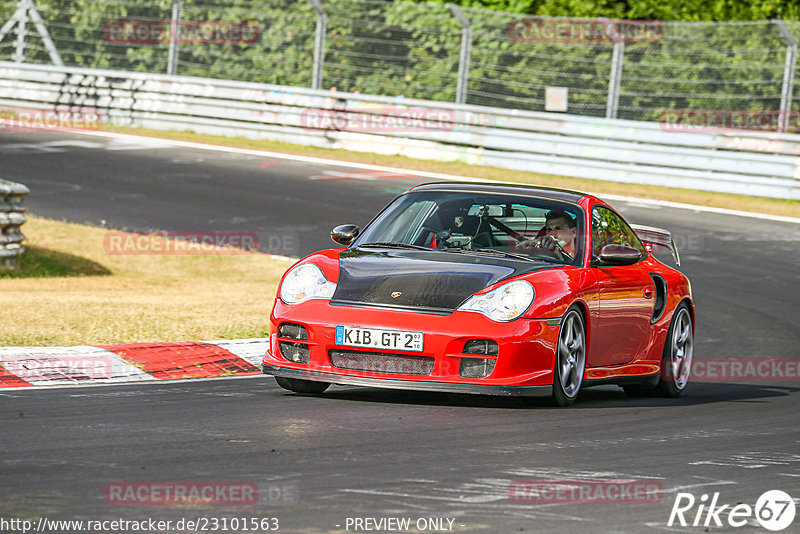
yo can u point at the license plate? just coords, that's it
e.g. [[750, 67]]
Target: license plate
[[377, 338]]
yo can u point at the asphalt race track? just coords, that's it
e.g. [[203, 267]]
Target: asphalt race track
[[359, 453]]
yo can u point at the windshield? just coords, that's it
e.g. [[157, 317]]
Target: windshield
[[525, 228]]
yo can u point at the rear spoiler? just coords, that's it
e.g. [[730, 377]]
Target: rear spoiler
[[657, 237]]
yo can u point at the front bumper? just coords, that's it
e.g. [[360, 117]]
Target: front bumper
[[523, 367], [413, 385]]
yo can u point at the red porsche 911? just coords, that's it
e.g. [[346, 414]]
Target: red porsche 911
[[494, 289]]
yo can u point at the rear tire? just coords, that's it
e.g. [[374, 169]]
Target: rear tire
[[676, 362], [301, 386], [570, 361]]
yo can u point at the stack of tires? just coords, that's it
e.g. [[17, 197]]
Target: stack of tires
[[12, 217]]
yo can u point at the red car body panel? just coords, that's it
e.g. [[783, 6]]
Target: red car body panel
[[617, 303]]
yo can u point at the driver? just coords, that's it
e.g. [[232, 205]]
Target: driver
[[560, 231]]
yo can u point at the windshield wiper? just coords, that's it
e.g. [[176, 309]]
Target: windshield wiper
[[493, 251], [396, 245]]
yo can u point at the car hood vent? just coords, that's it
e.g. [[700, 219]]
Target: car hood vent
[[435, 282]]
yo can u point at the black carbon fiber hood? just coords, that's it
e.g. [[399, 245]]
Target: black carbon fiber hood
[[433, 281]]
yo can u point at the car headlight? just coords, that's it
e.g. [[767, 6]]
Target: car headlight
[[503, 304], [305, 282]]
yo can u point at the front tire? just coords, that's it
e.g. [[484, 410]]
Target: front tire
[[570, 359], [301, 386], [676, 362]]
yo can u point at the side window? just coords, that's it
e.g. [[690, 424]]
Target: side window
[[608, 228]]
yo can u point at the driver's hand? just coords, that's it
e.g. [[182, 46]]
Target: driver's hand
[[544, 241]]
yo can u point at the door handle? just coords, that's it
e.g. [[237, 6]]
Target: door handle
[[648, 292]]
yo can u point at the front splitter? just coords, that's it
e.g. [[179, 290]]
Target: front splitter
[[416, 385]]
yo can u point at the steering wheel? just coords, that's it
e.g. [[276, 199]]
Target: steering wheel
[[557, 252]]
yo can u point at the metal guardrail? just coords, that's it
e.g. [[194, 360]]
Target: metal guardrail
[[11, 219], [628, 69], [742, 162]]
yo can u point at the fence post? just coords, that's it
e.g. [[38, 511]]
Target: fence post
[[615, 79], [319, 45], [25, 10], [788, 75], [45, 35], [22, 31], [174, 38], [464, 55]]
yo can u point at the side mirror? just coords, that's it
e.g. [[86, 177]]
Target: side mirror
[[619, 255], [344, 234]]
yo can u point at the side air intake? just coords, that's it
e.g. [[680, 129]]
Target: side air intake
[[661, 297]]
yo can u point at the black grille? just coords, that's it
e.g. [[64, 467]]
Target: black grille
[[381, 362], [481, 346], [292, 331]]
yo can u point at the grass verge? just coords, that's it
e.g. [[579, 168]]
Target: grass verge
[[784, 207], [67, 290]]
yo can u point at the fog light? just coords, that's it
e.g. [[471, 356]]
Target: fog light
[[294, 352], [476, 367], [292, 331], [481, 346]]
